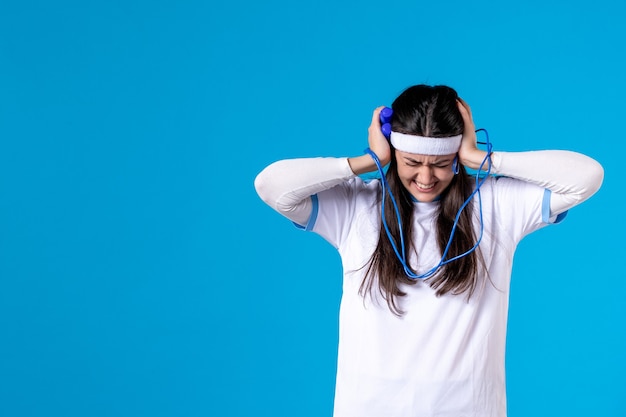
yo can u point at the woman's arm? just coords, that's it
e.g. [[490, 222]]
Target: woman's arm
[[287, 185], [571, 177]]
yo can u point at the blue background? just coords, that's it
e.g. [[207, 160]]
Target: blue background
[[140, 275]]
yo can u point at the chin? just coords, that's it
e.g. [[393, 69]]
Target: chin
[[426, 198]]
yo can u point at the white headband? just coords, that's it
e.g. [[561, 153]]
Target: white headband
[[425, 145]]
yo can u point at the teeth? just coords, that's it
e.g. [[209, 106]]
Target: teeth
[[424, 186]]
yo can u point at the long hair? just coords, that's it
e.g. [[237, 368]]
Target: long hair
[[425, 111]]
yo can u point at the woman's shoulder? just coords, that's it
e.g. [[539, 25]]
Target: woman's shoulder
[[357, 191]]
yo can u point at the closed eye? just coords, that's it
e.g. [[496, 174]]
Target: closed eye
[[414, 163]]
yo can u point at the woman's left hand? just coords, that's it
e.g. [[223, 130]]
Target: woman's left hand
[[469, 154]]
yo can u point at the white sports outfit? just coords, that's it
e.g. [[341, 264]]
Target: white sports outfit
[[445, 356]]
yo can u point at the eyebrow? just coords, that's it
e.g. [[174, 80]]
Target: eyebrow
[[436, 162]]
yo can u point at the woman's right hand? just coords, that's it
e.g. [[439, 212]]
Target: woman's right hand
[[378, 143]]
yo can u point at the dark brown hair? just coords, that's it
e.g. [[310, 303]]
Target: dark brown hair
[[425, 111]]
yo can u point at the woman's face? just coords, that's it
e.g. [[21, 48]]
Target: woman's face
[[425, 176]]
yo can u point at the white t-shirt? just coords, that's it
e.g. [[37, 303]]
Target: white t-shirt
[[445, 356]]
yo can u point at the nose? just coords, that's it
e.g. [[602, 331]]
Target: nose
[[425, 174]]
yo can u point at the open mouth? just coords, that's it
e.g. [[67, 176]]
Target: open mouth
[[425, 187]]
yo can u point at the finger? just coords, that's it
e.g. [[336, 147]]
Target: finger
[[376, 115], [465, 110], [377, 111], [463, 106]]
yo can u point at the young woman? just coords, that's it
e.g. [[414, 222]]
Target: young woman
[[426, 284]]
